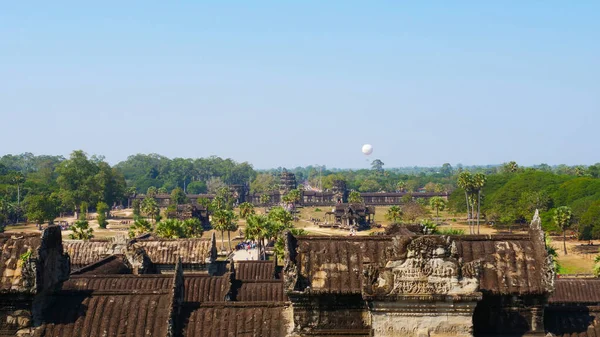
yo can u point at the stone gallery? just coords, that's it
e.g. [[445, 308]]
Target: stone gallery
[[403, 283]]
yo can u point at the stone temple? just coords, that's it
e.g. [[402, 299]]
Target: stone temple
[[403, 283]]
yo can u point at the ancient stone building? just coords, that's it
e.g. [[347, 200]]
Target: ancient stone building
[[402, 283]]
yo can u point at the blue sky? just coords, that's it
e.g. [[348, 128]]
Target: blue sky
[[298, 83]]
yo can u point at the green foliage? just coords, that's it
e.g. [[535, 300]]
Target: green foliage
[[136, 205], [192, 228], [430, 226], [246, 209], [394, 214], [450, 231], [438, 204], [293, 196], [25, 257], [589, 223], [81, 230], [197, 187], [265, 199], [139, 227], [264, 182], [41, 208], [178, 197], [102, 208], [355, 198], [150, 207], [170, 229], [223, 200]]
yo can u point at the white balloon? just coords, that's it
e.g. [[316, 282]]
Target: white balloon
[[367, 149]]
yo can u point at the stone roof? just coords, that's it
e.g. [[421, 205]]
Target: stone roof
[[576, 290], [108, 314], [113, 264], [125, 283], [12, 269], [83, 253], [334, 264], [191, 251], [204, 288], [236, 319], [255, 270], [510, 263], [261, 291]]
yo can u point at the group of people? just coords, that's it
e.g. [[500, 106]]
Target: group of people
[[247, 245]]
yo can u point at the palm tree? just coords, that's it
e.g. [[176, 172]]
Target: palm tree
[[170, 229], [139, 226], [393, 214], [257, 229], [355, 198], [18, 178], [437, 203], [265, 199], [465, 181], [150, 207], [246, 209], [81, 230], [562, 218], [478, 182], [222, 220], [511, 167], [401, 185]]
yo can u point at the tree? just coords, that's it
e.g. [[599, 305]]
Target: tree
[[152, 191], [170, 229], [377, 166], [223, 200], [446, 170], [222, 220], [438, 204], [150, 208], [204, 202], [101, 209], [136, 204], [394, 214], [369, 185], [76, 180], [162, 190], [41, 208], [510, 167], [479, 180], [430, 187], [81, 230], [412, 211], [355, 198], [281, 216], [178, 197], [294, 196], [140, 226], [214, 184], [257, 230], [246, 209], [562, 218], [263, 183], [465, 181], [192, 228], [401, 186], [18, 179], [196, 187]]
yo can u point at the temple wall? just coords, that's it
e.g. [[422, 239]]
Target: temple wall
[[419, 320]]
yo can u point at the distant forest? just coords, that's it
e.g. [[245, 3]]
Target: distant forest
[[510, 194]]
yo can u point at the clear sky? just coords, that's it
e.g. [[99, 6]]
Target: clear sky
[[285, 83]]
